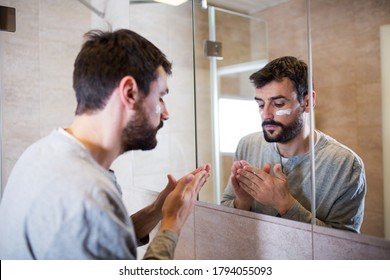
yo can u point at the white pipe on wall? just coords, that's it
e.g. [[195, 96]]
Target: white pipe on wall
[[116, 14], [385, 78], [312, 141], [215, 111], [1, 118]]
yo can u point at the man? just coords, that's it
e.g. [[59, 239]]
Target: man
[[62, 200], [271, 171]]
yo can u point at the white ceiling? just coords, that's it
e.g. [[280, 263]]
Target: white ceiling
[[245, 6]]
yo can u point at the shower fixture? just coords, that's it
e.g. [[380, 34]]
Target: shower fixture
[[172, 2], [169, 2], [7, 19]]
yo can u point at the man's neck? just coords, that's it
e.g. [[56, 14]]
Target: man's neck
[[89, 132], [300, 144]]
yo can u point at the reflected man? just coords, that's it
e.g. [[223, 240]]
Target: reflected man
[[271, 170]]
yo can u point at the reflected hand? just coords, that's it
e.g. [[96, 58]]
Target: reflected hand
[[243, 199], [268, 189]]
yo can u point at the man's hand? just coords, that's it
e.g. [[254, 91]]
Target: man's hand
[[180, 202], [243, 199]]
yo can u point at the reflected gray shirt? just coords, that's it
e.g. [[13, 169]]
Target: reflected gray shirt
[[59, 203], [339, 174]]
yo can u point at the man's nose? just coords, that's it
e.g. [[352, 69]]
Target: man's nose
[[267, 112], [164, 113]]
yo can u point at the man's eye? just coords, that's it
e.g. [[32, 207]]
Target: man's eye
[[279, 105], [261, 106]]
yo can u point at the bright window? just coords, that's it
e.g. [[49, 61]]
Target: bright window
[[237, 118]]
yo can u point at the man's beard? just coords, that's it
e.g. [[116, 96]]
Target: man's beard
[[287, 133], [139, 134]]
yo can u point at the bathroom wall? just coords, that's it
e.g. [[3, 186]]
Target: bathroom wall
[[346, 73], [36, 70], [244, 235]]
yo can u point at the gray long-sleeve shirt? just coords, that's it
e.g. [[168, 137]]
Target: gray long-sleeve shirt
[[59, 203], [339, 174]]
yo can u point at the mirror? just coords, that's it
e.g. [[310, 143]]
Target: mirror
[[347, 75], [346, 67], [222, 82]]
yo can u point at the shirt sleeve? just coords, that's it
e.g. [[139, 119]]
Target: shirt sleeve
[[92, 229], [228, 196], [346, 212], [162, 246], [299, 213]]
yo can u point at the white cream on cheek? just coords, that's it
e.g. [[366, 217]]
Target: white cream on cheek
[[158, 109], [283, 112]]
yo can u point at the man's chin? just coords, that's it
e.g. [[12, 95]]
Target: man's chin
[[149, 147], [270, 138]]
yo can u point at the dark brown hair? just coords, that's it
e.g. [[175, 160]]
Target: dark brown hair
[[284, 67], [105, 58]]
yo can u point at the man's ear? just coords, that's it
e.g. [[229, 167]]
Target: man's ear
[[128, 89], [307, 101]]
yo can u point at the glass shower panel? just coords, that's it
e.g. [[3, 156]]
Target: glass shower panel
[[48, 37], [230, 46], [170, 29]]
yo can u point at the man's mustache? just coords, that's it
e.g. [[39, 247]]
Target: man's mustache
[[271, 122]]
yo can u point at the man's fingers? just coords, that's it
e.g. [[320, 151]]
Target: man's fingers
[[278, 171], [206, 167], [192, 183], [171, 180]]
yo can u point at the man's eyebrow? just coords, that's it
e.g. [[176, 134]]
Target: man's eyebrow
[[272, 98], [258, 99], [165, 92]]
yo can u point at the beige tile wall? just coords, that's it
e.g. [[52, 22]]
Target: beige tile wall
[[37, 62], [221, 233]]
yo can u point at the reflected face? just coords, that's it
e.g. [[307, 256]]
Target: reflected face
[[280, 110], [141, 131]]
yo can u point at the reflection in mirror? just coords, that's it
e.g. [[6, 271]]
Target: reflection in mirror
[[244, 49], [347, 76], [346, 71], [246, 35]]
